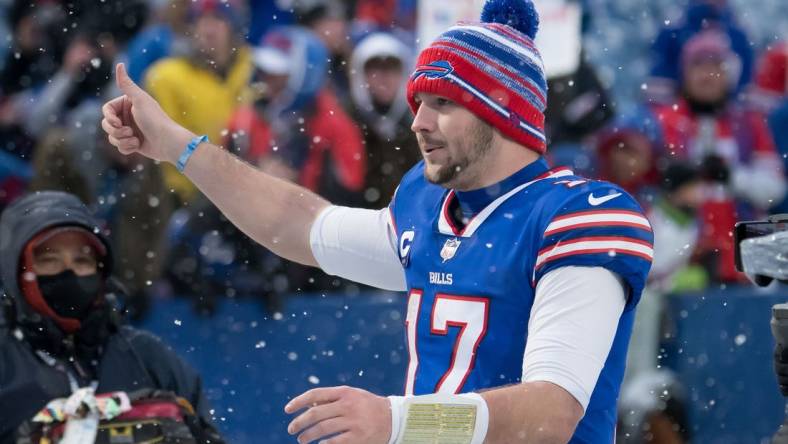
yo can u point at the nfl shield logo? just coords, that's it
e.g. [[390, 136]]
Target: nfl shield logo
[[449, 249]]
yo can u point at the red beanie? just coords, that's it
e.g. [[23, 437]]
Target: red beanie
[[492, 68]]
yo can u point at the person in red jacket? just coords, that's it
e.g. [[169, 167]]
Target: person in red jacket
[[730, 144], [295, 128]]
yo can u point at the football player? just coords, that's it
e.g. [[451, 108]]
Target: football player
[[522, 280]]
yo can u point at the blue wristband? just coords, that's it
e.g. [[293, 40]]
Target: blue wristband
[[187, 153]]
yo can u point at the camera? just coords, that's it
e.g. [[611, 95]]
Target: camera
[[761, 251]]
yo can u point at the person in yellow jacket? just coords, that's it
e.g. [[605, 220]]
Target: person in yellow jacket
[[201, 89]]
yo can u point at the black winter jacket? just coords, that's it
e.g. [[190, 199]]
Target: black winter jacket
[[117, 357]]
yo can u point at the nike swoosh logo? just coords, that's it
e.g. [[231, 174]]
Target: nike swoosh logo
[[594, 201]]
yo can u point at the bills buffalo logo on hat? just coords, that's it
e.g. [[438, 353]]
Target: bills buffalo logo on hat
[[434, 70]]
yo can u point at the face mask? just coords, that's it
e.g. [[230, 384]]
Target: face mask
[[69, 295]]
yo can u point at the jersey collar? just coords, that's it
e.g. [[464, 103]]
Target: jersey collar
[[530, 174], [473, 202]]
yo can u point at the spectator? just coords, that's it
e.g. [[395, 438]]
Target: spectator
[[82, 80], [29, 100], [771, 96], [128, 193], [380, 67], [164, 37], [626, 151], [580, 104], [25, 68], [328, 19], [99, 34], [296, 128], [218, 66], [61, 329], [732, 146], [653, 403], [667, 48], [674, 217], [33, 27]]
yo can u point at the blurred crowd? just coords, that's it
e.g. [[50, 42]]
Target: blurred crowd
[[313, 91]]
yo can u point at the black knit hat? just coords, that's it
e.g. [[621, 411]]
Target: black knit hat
[[678, 174]]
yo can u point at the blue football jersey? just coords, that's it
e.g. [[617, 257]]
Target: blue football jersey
[[471, 289]]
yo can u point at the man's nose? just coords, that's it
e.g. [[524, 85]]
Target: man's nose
[[425, 120]]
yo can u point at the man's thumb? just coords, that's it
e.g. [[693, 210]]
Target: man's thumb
[[126, 85]]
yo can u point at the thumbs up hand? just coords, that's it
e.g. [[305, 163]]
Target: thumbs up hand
[[135, 123]]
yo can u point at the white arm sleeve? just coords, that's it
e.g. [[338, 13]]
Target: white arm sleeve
[[359, 245], [572, 326]]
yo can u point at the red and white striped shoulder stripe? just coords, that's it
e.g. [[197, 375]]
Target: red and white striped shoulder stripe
[[611, 245], [597, 218]]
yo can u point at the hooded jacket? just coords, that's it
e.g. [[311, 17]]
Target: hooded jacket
[[380, 45], [391, 146], [700, 14], [37, 356], [19, 224]]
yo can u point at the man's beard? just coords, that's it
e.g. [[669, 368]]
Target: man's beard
[[474, 146]]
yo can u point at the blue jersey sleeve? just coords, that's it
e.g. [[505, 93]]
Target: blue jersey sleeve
[[401, 202], [598, 225], [409, 185]]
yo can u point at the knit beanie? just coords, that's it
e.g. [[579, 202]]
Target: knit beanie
[[678, 174], [712, 45], [492, 68]]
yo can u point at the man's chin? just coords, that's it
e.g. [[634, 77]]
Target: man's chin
[[438, 174]]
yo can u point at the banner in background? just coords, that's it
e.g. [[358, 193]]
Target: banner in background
[[559, 38]]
